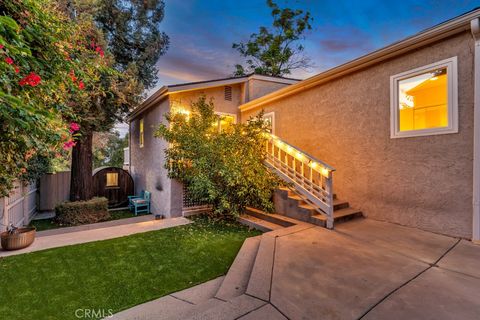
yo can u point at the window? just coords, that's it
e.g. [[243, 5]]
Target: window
[[228, 93], [141, 135], [225, 120], [269, 118], [112, 179], [424, 100]]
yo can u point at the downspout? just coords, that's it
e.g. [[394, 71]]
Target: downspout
[[475, 27]]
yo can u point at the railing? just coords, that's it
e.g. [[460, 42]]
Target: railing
[[19, 206], [310, 178]]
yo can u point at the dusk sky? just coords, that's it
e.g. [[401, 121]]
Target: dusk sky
[[202, 32]]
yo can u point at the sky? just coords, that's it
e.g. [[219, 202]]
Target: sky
[[202, 31]]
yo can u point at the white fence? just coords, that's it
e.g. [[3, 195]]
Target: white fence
[[20, 205]]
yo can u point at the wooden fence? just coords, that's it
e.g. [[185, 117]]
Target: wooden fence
[[19, 206], [54, 189]]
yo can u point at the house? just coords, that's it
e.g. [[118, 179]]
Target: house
[[396, 132], [146, 153], [400, 125]]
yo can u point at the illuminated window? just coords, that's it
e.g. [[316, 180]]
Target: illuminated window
[[225, 120], [112, 179], [141, 135], [269, 118], [424, 100]]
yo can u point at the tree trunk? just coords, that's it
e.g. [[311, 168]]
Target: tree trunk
[[81, 184]]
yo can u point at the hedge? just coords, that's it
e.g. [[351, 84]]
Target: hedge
[[82, 212]]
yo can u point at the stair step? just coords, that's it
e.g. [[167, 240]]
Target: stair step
[[257, 223], [338, 216], [340, 204], [229, 310], [235, 282], [271, 217], [261, 277]]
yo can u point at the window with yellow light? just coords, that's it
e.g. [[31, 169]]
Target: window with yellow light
[[425, 100]]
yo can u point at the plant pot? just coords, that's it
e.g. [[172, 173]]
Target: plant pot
[[22, 238]]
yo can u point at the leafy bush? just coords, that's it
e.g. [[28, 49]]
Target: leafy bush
[[82, 212], [221, 166]]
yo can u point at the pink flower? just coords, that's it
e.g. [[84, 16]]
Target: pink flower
[[69, 144], [32, 79], [9, 60], [81, 85], [17, 69], [1, 46], [100, 51], [74, 127]]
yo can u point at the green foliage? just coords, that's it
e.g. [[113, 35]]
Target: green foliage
[[224, 168], [108, 149], [33, 112], [133, 35], [82, 212], [276, 51]]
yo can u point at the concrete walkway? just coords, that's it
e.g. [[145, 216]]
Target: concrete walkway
[[100, 231], [364, 269]]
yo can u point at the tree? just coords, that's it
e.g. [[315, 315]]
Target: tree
[[108, 149], [276, 52], [132, 30], [224, 168], [130, 41]]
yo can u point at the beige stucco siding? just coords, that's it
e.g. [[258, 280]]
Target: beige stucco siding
[[147, 164], [424, 182], [258, 88], [217, 95]]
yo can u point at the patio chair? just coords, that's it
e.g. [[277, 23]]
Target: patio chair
[[141, 205], [130, 198]]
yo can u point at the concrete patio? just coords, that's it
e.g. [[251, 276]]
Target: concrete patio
[[364, 269]]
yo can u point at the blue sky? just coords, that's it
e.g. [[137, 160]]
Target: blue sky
[[202, 32]]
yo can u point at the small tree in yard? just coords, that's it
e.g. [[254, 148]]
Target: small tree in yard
[[221, 167]]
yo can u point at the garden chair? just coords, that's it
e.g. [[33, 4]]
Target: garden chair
[[130, 198], [141, 205]]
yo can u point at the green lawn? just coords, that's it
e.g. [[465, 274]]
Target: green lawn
[[47, 224], [118, 273]]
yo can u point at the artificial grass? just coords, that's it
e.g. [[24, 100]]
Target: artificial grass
[[47, 224], [116, 274]]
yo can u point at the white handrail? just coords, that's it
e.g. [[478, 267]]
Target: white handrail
[[311, 178]]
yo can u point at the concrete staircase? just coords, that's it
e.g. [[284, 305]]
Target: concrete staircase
[[290, 204]]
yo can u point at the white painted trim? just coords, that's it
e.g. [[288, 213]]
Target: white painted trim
[[452, 78], [475, 27], [272, 114], [273, 79], [435, 34]]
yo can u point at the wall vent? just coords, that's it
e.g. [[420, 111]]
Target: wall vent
[[228, 93]]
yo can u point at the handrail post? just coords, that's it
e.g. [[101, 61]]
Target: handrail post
[[330, 201]]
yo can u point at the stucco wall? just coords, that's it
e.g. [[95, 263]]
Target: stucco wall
[[147, 164], [424, 182], [258, 88], [217, 94]]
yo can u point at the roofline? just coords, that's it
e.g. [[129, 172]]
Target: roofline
[[164, 91], [434, 34]]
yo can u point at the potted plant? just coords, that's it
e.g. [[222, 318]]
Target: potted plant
[[17, 238]]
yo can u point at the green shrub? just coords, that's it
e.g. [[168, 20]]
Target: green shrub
[[222, 166], [82, 212]]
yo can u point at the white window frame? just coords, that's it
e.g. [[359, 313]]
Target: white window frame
[[452, 100], [218, 113], [272, 115]]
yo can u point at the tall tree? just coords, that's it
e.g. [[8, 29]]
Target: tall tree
[[132, 30], [276, 51], [108, 149], [133, 44]]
